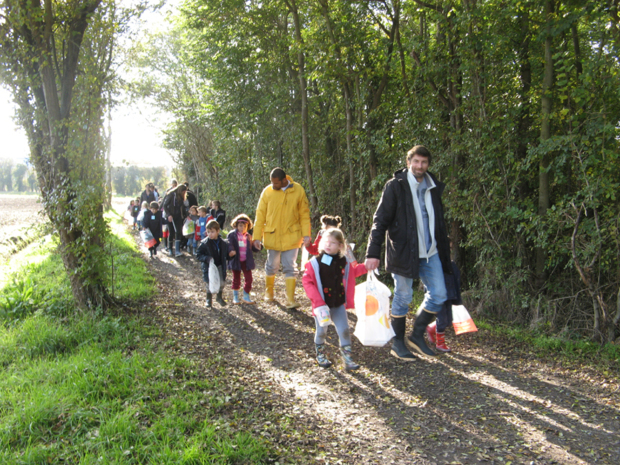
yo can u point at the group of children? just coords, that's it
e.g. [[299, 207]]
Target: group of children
[[328, 280]]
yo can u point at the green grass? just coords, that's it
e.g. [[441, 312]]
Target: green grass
[[571, 349], [94, 387], [129, 277]]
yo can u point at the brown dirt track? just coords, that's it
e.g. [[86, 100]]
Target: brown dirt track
[[489, 401]]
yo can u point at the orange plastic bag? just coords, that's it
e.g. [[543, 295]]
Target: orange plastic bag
[[462, 320]]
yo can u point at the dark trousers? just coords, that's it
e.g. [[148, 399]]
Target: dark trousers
[[247, 277], [444, 316]]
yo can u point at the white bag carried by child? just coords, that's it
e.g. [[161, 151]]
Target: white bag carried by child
[[214, 278], [188, 227], [323, 315], [372, 307], [305, 257], [462, 320]]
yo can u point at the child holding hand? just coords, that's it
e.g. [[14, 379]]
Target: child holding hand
[[213, 248], [329, 282], [240, 247]]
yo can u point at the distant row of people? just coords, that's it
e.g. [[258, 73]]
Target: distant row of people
[[409, 218]]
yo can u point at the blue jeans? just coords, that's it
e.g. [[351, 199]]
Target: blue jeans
[[191, 241], [431, 275]]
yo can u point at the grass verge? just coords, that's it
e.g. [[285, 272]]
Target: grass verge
[[97, 387], [571, 349]]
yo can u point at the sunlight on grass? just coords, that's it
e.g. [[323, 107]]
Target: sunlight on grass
[[85, 387]]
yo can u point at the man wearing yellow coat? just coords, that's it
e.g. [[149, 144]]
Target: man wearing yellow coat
[[282, 224]]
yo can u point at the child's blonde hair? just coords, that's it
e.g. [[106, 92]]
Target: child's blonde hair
[[336, 234], [145, 205]]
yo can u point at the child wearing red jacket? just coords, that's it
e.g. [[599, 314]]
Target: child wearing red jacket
[[329, 282], [328, 222]]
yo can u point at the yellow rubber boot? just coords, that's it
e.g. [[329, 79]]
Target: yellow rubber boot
[[269, 281], [290, 293]]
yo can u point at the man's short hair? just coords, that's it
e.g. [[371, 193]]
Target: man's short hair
[[278, 173], [421, 151], [213, 225]]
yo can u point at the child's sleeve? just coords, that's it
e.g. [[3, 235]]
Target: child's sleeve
[[311, 287], [227, 247], [202, 255], [313, 249], [231, 247], [358, 269]]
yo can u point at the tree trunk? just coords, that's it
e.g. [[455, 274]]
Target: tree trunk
[[545, 134], [303, 90]]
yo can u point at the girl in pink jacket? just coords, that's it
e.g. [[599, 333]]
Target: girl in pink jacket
[[329, 282]]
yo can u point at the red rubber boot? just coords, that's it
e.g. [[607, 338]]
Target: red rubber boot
[[441, 343], [431, 330]]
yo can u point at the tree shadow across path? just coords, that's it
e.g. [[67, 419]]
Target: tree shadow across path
[[463, 407]]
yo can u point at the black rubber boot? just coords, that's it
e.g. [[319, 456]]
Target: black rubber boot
[[220, 299], [209, 300], [416, 339], [399, 349]]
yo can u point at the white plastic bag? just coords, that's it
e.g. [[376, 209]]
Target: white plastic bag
[[372, 307], [462, 321], [305, 256], [323, 315], [189, 228], [214, 278]]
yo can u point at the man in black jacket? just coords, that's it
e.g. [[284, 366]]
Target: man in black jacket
[[417, 247]]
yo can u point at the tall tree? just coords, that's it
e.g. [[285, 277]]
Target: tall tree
[[58, 71]]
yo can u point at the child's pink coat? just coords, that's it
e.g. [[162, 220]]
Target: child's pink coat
[[311, 284]]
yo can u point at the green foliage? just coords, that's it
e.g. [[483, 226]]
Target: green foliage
[[130, 180], [463, 78]]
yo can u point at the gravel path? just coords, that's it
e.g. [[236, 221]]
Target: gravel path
[[486, 402]]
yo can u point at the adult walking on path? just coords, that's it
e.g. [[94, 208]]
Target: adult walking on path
[[190, 198], [175, 212], [417, 247], [282, 225], [217, 213], [148, 195]]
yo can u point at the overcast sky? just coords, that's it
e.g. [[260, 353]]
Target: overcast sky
[[136, 134]]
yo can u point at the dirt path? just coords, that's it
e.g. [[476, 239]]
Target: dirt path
[[486, 402]]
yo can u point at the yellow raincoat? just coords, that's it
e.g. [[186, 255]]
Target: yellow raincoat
[[282, 217]]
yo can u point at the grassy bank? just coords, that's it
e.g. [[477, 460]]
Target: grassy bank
[[97, 387]]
